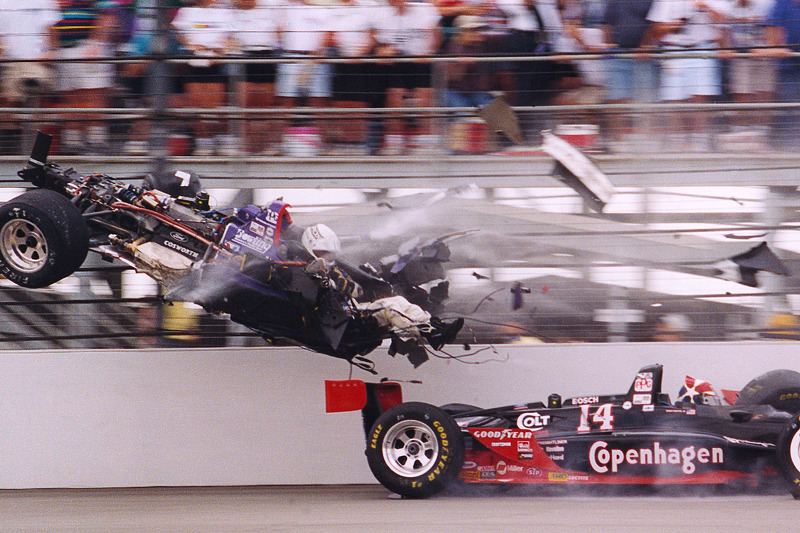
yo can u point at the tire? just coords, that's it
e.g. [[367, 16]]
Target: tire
[[778, 388], [415, 450], [788, 455], [43, 238]]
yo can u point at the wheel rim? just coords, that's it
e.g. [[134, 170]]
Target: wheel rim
[[794, 450], [410, 448], [23, 245]]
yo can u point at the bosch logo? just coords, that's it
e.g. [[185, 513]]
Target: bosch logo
[[180, 237], [533, 421], [585, 400]]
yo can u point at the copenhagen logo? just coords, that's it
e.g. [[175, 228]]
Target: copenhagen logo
[[602, 458]]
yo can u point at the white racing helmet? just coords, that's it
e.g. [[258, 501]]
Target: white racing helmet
[[320, 239]]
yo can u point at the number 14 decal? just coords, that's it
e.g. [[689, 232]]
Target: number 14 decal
[[601, 416]]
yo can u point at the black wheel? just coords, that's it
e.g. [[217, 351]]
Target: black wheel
[[788, 452], [43, 238], [415, 449], [778, 388]]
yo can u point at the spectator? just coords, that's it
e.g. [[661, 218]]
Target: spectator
[[85, 31], [204, 29], [626, 30], [783, 39], [358, 84], [308, 35], [23, 35], [580, 19], [467, 82], [256, 27], [751, 79], [450, 10], [410, 28], [535, 28], [137, 77], [688, 25]]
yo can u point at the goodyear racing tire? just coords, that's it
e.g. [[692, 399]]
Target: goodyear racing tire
[[778, 388], [788, 454], [415, 450], [43, 238]]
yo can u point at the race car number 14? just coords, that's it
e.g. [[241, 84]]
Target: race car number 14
[[602, 417]]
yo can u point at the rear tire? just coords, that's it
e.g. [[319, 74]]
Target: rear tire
[[778, 388], [415, 450], [43, 238]]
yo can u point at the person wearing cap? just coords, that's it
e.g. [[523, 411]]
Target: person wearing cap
[[468, 82]]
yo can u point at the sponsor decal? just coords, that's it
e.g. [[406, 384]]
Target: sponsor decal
[[641, 399], [554, 449], [502, 434], [552, 442], [525, 456], [534, 472], [501, 444], [557, 476], [469, 465], [178, 236], [258, 228], [603, 458], [501, 468], [643, 382], [556, 457], [627, 405], [585, 400], [182, 249], [648, 408], [533, 421], [524, 446], [488, 475]]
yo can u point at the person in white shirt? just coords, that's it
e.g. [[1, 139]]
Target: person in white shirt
[[256, 27], [688, 25], [24, 35], [409, 28], [205, 30], [752, 79], [357, 84]]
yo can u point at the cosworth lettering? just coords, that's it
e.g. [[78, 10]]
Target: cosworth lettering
[[182, 249], [602, 458]]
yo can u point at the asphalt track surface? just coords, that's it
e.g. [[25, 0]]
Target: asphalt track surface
[[369, 508]]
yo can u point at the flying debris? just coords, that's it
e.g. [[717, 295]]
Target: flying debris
[[572, 167], [742, 268], [517, 290], [479, 276]]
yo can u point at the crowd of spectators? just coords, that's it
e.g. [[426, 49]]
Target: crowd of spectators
[[740, 51]]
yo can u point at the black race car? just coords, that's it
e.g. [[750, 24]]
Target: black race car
[[636, 438], [247, 262]]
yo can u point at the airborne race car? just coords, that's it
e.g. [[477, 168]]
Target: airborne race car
[[238, 263], [638, 438]]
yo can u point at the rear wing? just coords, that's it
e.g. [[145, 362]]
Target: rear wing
[[372, 399]]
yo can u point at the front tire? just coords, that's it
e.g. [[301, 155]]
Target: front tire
[[43, 238], [788, 454], [415, 450]]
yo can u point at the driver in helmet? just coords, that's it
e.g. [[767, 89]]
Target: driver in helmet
[[408, 321]]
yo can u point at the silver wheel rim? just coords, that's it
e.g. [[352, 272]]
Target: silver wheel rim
[[410, 448], [794, 450], [24, 246]]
